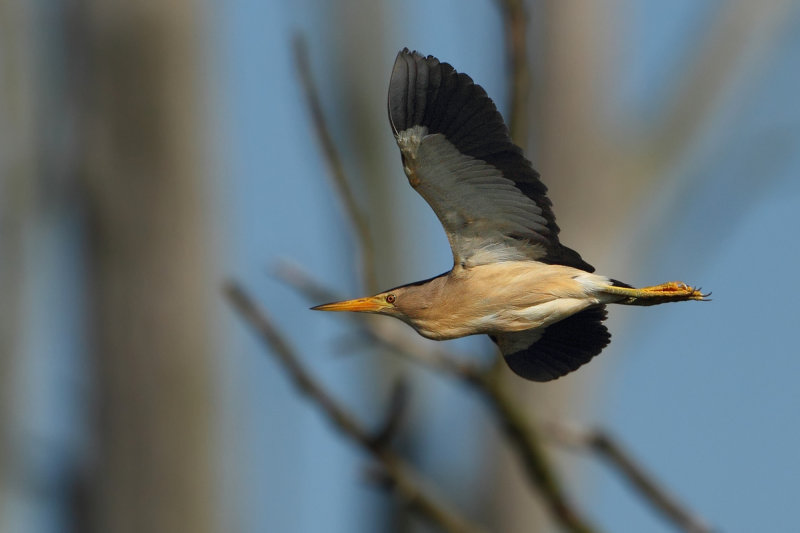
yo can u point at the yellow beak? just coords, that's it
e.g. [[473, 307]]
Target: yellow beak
[[370, 304]]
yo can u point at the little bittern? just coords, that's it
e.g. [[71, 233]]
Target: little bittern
[[511, 279]]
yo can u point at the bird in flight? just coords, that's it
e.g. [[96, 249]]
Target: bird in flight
[[512, 279]]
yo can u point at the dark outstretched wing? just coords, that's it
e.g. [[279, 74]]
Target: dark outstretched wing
[[560, 348], [458, 155]]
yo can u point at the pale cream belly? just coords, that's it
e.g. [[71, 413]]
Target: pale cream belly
[[514, 296]]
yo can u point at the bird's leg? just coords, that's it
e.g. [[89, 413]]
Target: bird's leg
[[673, 291]]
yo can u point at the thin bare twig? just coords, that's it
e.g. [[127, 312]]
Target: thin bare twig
[[515, 20], [405, 481], [523, 437], [606, 447], [357, 216]]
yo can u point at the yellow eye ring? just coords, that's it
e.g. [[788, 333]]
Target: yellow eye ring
[[391, 298]]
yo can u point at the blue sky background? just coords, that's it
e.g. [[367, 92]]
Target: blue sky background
[[704, 395]]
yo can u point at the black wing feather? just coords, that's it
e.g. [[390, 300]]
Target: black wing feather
[[426, 92], [563, 347]]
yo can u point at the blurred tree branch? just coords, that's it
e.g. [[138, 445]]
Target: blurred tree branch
[[337, 174], [604, 446], [522, 434], [405, 482]]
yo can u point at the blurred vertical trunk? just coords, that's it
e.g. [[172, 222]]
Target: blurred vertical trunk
[[150, 274], [17, 208], [572, 153]]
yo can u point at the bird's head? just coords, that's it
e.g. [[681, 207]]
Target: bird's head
[[409, 302], [384, 303], [415, 304]]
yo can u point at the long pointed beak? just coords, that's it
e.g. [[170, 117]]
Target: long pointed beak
[[370, 304]]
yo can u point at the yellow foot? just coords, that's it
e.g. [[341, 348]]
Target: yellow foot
[[673, 291]]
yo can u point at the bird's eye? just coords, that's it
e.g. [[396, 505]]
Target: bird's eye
[[390, 298]]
